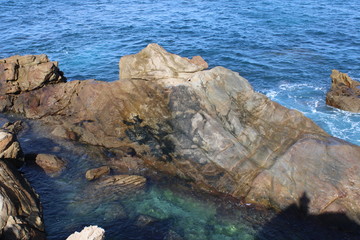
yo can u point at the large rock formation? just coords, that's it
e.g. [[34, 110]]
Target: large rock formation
[[206, 126], [344, 92], [20, 211]]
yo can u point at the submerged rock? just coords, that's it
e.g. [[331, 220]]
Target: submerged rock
[[172, 235], [344, 93], [122, 183], [144, 220], [51, 164], [88, 233], [96, 173], [208, 127]]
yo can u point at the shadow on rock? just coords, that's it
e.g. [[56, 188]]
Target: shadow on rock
[[295, 223]]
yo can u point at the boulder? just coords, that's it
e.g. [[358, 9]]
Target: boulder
[[51, 164], [344, 93], [208, 127], [97, 172], [88, 233], [25, 73]]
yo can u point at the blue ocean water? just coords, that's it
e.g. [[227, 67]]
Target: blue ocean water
[[286, 49]]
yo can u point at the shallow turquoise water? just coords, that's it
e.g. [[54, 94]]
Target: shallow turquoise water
[[286, 49], [70, 203]]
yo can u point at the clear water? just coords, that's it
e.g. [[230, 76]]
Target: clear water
[[286, 49]]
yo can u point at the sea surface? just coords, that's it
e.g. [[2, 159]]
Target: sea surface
[[286, 49]]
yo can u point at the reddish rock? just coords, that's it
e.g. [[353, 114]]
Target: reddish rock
[[208, 127], [344, 93], [26, 73]]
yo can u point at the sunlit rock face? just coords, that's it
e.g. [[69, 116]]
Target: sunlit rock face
[[344, 93], [88, 233], [208, 127], [26, 73]]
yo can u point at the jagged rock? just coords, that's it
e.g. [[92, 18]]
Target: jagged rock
[[97, 172], [151, 60], [344, 92], [208, 127], [10, 148], [20, 211], [88, 233], [13, 127], [26, 73], [51, 164]]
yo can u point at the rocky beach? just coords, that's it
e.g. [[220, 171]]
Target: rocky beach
[[169, 117]]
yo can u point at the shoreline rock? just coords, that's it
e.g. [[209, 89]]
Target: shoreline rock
[[344, 93], [20, 210], [208, 127]]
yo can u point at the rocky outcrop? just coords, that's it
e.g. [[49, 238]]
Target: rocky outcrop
[[344, 93], [25, 73], [51, 164], [88, 233], [208, 127], [20, 211]]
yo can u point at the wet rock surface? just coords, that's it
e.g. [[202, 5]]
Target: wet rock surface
[[208, 127], [51, 164], [344, 93], [96, 173]]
